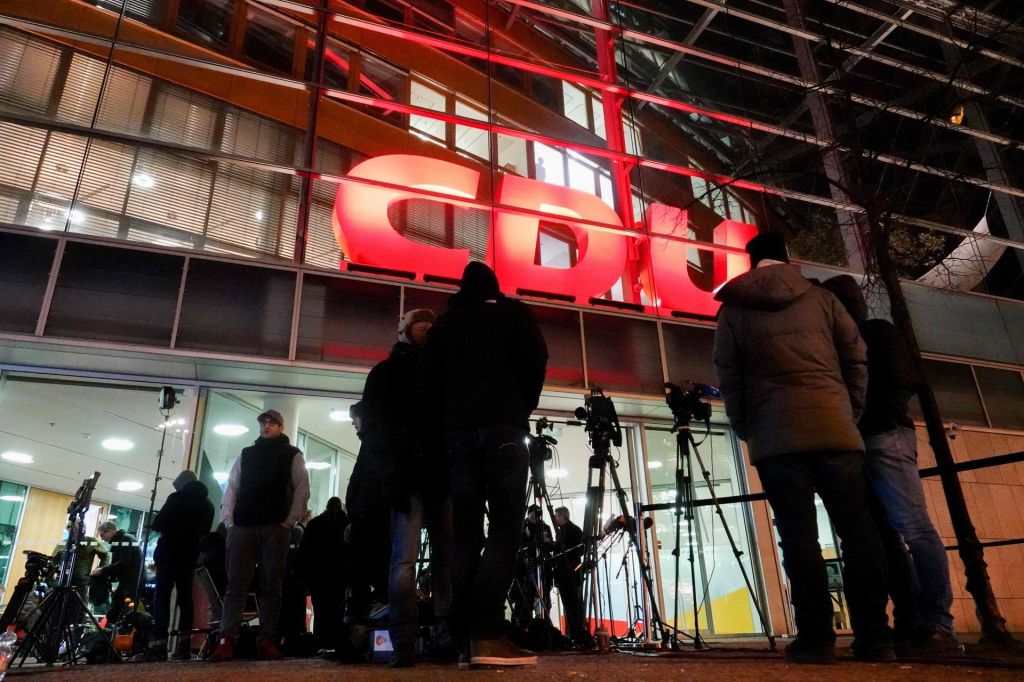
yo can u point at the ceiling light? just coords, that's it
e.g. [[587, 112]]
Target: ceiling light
[[654, 464], [12, 498], [118, 444], [558, 473], [220, 476], [259, 215], [17, 457], [318, 466], [77, 217], [230, 429], [957, 116], [340, 416], [143, 180], [129, 486]]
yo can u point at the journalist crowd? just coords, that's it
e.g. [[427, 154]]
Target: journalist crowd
[[818, 392]]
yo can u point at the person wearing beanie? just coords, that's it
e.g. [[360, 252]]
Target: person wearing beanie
[[483, 370], [397, 430], [266, 495], [892, 469], [793, 373], [185, 518]]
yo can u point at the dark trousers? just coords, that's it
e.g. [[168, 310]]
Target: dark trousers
[[790, 481], [369, 559], [488, 469], [568, 583], [328, 597], [169, 577], [250, 548]]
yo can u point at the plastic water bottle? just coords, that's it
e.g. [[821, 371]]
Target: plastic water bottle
[[7, 641]]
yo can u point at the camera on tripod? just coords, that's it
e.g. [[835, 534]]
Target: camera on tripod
[[691, 401], [540, 444], [600, 419]]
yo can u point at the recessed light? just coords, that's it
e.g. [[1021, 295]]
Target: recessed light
[[259, 215], [12, 498], [558, 473], [654, 464], [318, 466], [129, 486], [220, 476], [340, 416], [230, 429], [143, 180], [17, 457], [118, 444]]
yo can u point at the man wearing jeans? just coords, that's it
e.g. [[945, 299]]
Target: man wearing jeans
[[891, 465], [793, 371], [484, 361], [266, 495]]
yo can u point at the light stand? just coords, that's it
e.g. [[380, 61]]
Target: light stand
[[168, 401]]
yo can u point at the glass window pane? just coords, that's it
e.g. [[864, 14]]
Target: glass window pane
[[622, 354], [1003, 393], [12, 504], [688, 352], [115, 295], [23, 277], [236, 309], [955, 392], [574, 100], [347, 321], [561, 329]]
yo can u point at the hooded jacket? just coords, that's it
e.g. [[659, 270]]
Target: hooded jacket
[[182, 522], [791, 365], [485, 357]]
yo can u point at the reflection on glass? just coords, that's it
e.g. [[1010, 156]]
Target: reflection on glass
[[12, 504]]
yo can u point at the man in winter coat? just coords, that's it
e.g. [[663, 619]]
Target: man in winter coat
[[124, 567], [398, 427], [266, 495], [322, 563], [793, 372], [891, 465], [183, 520], [484, 366]]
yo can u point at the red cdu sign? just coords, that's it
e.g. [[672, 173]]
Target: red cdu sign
[[604, 250]]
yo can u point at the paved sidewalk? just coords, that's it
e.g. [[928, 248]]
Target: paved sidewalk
[[742, 662]]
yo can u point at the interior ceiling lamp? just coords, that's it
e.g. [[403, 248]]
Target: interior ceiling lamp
[[957, 117]]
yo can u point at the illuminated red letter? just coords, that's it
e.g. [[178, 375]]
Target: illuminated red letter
[[361, 224], [665, 270], [601, 256]]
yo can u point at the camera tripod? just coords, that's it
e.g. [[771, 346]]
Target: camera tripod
[[58, 616], [686, 452], [603, 426]]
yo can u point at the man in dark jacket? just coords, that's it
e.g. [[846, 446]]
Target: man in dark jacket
[[399, 428], [891, 465], [484, 366], [322, 563], [568, 577], [266, 495], [793, 372], [124, 567], [183, 520]]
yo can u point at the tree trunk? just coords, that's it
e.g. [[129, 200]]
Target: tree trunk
[[993, 625]]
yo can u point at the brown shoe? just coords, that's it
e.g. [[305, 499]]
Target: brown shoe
[[499, 651], [268, 651], [225, 650]]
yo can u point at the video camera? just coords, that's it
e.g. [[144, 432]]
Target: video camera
[[691, 401], [599, 416], [540, 444]]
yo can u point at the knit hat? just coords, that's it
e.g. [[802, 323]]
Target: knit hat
[[183, 479], [479, 282], [410, 318], [767, 245]]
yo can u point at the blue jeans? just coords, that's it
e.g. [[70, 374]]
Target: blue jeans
[[488, 468], [405, 547], [891, 466]]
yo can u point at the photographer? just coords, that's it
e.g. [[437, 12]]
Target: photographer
[[398, 426], [484, 366], [535, 551], [793, 373], [125, 564], [89, 549]]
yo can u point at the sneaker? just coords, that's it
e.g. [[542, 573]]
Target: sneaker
[[801, 650], [267, 651], [499, 651], [225, 650], [872, 652]]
